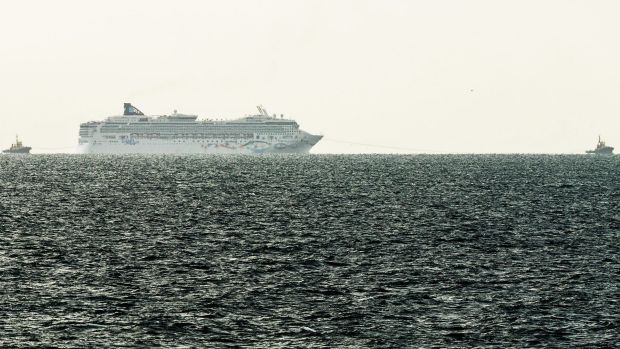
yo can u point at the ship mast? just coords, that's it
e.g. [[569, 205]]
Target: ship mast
[[262, 110]]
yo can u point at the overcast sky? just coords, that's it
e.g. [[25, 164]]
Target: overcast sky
[[441, 76]]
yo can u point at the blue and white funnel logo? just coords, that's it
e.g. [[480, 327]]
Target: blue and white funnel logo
[[131, 110]]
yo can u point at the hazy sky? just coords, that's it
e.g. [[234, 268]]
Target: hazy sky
[[536, 76]]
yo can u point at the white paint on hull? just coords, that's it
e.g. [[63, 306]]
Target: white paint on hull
[[186, 148]]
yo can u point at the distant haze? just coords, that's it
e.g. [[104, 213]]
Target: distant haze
[[475, 76]]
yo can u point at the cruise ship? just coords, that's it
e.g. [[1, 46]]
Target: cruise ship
[[136, 133]]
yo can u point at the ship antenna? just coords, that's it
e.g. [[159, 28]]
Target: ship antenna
[[262, 110]]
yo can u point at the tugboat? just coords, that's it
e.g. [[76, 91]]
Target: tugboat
[[601, 149], [17, 148]]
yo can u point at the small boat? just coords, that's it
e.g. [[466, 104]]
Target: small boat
[[601, 149], [17, 148]]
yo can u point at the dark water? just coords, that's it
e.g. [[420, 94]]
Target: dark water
[[310, 251]]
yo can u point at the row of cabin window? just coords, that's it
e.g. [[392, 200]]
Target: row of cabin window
[[252, 129], [190, 131]]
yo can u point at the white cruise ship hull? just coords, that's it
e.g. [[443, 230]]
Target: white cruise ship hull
[[184, 147]]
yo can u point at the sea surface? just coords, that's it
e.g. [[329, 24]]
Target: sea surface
[[313, 251]]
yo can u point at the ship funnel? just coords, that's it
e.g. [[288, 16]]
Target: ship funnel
[[131, 110]]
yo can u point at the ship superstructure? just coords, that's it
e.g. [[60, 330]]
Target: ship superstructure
[[134, 132], [601, 148]]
